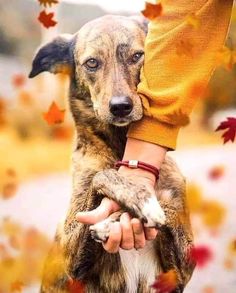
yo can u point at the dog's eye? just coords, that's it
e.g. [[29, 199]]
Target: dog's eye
[[91, 64], [135, 58]]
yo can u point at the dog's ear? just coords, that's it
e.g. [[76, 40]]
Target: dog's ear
[[141, 21], [55, 57]]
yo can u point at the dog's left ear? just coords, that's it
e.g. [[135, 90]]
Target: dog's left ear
[[55, 57], [141, 21]]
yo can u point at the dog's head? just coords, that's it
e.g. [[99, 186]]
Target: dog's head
[[104, 57]]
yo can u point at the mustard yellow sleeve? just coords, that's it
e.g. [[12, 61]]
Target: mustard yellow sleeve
[[180, 56]]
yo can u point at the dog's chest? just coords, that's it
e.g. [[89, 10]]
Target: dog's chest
[[139, 265]]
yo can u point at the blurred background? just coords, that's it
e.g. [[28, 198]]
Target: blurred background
[[35, 179]]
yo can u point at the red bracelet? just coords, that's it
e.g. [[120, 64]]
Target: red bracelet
[[134, 164]]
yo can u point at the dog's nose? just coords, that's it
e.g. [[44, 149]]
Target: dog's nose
[[121, 106]]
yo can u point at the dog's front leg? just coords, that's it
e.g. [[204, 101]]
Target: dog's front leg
[[135, 198]]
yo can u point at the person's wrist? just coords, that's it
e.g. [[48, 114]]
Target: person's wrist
[[146, 152], [138, 174]]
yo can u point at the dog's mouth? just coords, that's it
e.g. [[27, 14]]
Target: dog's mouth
[[121, 121]]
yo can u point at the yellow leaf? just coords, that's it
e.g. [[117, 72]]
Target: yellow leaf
[[194, 197], [213, 213], [226, 57], [193, 20]]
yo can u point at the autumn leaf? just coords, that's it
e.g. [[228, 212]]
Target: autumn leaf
[[9, 190], [166, 282], [185, 48], [18, 80], [230, 123], [232, 247], [75, 286], [201, 255], [152, 11], [213, 213], [208, 289], [216, 172], [54, 114], [194, 197], [226, 57], [47, 19], [198, 90], [46, 3], [193, 20], [17, 286], [228, 264], [62, 133]]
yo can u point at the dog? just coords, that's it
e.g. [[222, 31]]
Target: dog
[[103, 60]]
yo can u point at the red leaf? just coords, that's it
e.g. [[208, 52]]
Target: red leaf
[[47, 19], [54, 114], [166, 282], [152, 11], [230, 133], [216, 172], [75, 286], [18, 80], [201, 255]]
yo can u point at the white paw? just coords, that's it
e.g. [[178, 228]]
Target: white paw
[[153, 212], [100, 231]]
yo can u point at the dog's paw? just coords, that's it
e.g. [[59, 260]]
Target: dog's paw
[[100, 231], [153, 213]]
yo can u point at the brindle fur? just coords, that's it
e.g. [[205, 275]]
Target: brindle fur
[[99, 143]]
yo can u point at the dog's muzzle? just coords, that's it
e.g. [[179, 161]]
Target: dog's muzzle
[[121, 107]]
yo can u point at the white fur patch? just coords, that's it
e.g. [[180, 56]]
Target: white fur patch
[[153, 212], [142, 263]]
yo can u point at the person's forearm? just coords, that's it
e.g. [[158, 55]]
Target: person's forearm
[[179, 60]]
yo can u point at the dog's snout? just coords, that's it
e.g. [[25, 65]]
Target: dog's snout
[[121, 106]]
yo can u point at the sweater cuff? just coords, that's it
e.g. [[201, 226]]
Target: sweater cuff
[[151, 130]]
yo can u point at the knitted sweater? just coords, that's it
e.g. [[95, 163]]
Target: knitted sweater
[[180, 55]]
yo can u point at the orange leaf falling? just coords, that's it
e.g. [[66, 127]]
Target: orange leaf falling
[[75, 286], [17, 286], [46, 3], [54, 115], [213, 213], [226, 58], [201, 255], [216, 172], [9, 190], [18, 80], [229, 134], [185, 48], [47, 19], [229, 264], [198, 90], [166, 282], [152, 11], [208, 289], [193, 20], [232, 247]]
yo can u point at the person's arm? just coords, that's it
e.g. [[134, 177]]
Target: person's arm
[[179, 60]]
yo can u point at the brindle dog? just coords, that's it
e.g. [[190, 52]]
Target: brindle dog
[[104, 60]]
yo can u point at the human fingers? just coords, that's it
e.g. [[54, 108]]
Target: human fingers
[[113, 243], [150, 233], [138, 232], [127, 239], [106, 207]]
